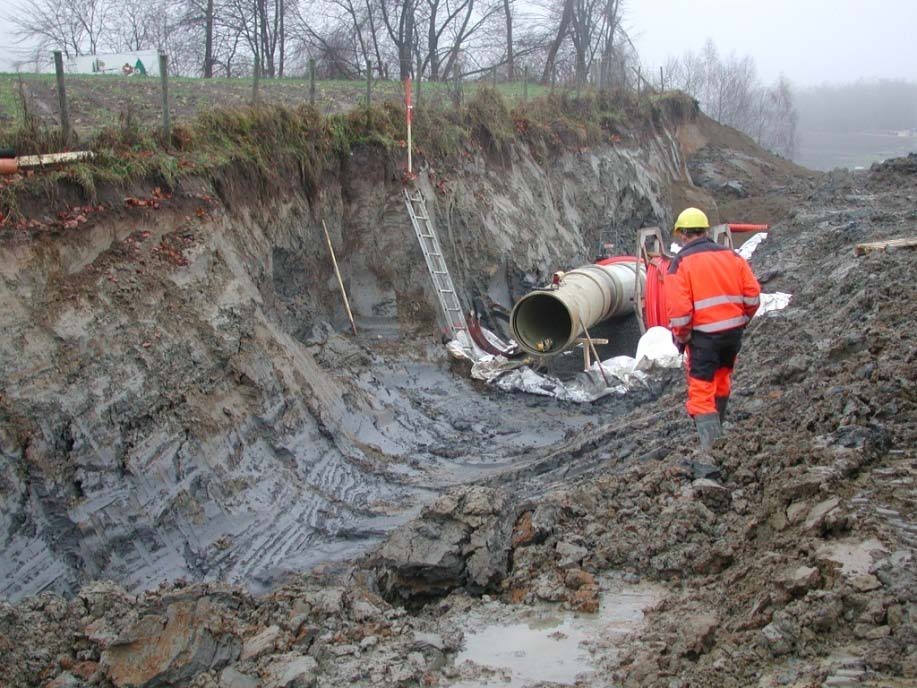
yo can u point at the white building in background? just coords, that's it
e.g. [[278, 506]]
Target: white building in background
[[135, 64]]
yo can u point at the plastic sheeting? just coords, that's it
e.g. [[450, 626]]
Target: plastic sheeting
[[773, 302], [746, 249], [655, 350]]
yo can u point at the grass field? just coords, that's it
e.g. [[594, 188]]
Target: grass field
[[99, 101]]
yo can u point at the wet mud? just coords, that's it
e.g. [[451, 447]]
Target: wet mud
[[783, 557]]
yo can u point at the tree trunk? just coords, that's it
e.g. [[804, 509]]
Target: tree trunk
[[558, 40], [510, 60], [433, 44], [283, 37], [208, 41], [405, 49]]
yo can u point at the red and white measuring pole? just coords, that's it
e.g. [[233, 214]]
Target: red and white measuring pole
[[409, 110]]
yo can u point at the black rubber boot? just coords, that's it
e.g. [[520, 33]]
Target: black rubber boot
[[721, 404], [708, 429]]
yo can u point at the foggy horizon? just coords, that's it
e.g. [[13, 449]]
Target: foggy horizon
[[813, 43]]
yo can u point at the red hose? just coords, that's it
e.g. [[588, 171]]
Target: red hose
[[654, 310], [748, 228], [614, 260]]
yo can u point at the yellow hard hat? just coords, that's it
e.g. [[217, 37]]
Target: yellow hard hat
[[691, 218]]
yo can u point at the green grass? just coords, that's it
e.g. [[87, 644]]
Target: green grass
[[270, 138]]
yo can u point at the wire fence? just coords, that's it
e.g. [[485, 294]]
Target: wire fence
[[82, 105]]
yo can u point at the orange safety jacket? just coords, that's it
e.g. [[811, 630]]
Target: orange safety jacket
[[709, 288]]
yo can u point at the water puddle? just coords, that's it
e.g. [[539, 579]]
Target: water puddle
[[516, 646]]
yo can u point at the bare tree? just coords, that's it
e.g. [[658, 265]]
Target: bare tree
[[510, 57], [75, 27], [138, 25], [563, 27], [729, 90], [398, 19]]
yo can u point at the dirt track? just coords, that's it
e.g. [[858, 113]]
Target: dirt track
[[794, 565]]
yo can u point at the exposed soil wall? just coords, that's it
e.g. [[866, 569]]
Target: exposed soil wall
[[175, 403]]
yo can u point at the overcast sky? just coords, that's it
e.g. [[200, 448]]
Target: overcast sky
[[811, 41]]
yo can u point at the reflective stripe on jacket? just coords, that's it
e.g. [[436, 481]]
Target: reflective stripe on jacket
[[709, 288]]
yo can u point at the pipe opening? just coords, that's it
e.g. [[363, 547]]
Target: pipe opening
[[542, 323]]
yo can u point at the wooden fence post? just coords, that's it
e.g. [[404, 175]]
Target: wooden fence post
[[312, 81], [62, 95], [369, 83], [525, 84], [456, 84], [164, 80], [661, 80], [256, 85]]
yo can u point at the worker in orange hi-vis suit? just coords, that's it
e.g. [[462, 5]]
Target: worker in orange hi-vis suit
[[711, 294]]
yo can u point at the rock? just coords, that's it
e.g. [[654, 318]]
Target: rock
[[545, 520], [262, 643], [233, 678], [865, 582], [343, 650], [804, 486], [713, 495], [191, 640], [290, 671], [713, 559], [364, 610], [523, 531], [875, 612], [796, 511], [697, 635], [854, 557], [549, 586], [65, 680], [822, 514], [577, 578], [895, 615], [369, 642], [777, 520], [329, 601], [799, 580], [700, 470], [85, 670], [870, 632], [585, 599], [462, 540], [776, 639], [431, 640], [570, 555], [734, 188]]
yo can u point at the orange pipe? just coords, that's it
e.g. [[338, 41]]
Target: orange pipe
[[748, 228], [9, 165]]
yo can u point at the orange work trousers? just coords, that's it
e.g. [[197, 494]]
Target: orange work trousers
[[711, 359]]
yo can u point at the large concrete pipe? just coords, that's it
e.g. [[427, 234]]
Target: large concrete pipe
[[547, 321]]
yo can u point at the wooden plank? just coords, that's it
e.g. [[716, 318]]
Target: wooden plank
[[870, 246], [53, 158]]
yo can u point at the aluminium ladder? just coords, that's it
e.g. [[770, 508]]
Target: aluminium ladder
[[436, 264]]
